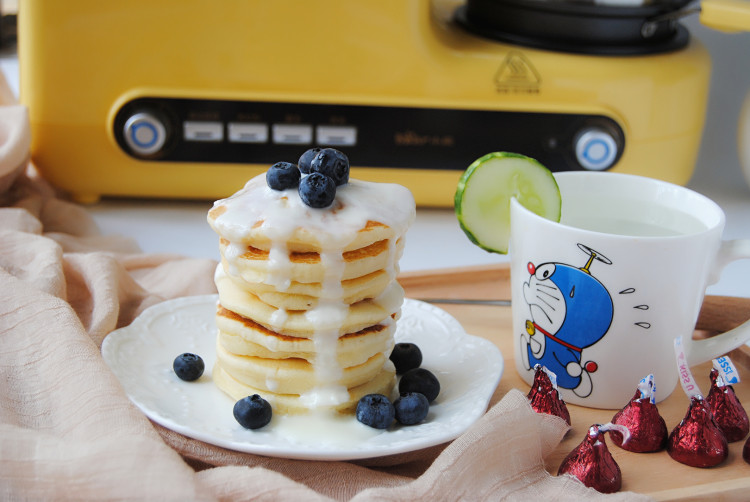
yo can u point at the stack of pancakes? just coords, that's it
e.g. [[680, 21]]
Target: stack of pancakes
[[308, 300]]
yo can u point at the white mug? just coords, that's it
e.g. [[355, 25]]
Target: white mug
[[600, 297]]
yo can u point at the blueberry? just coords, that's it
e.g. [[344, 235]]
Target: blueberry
[[411, 408], [188, 366], [375, 410], [420, 380], [333, 164], [317, 190], [252, 412], [406, 356], [304, 161], [283, 175]]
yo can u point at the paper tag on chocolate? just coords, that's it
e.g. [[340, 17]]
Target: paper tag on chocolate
[[686, 377], [728, 374], [612, 427], [552, 376], [647, 389]]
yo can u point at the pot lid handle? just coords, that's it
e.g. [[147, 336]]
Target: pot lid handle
[[726, 15]]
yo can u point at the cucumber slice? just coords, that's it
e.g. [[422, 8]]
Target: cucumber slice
[[482, 200]]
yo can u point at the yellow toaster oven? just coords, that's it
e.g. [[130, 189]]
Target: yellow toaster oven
[[190, 98]]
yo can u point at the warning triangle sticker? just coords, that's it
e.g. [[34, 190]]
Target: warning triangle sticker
[[517, 73]]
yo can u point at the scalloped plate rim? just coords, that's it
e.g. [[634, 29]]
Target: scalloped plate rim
[[486, 353]]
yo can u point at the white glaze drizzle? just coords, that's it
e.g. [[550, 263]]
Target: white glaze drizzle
[[231, 253], [320, 427], [278, 318], [272, 384], [282, 212]]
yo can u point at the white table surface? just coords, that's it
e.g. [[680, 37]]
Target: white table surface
[[435, 240]]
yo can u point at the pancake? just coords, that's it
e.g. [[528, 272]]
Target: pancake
[[300, 323], [363, 213], [244, 337], [304, 296], [292, 375], [258, 233], [382, 383], [256, 265]]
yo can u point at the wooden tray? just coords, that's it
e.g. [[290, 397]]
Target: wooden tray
[[654, 474]]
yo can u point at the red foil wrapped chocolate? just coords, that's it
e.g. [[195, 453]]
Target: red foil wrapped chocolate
[[727, 409], [544, 397], [592, 463], [746, 451], [648, 430], [697, 440]]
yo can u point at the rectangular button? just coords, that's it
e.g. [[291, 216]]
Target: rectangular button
[[248, 132], [292, 134], [203, 131], [336, 135]]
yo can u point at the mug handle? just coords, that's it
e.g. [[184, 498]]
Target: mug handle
[[719, 345]]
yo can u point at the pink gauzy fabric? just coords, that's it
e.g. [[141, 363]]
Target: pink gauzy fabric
[[68, 431]]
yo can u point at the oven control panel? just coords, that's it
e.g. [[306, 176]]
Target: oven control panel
[[259, 132]]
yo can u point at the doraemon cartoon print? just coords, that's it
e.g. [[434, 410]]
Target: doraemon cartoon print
[[569, 310]]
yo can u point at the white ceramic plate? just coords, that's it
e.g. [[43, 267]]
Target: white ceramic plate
[[141, 356]]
